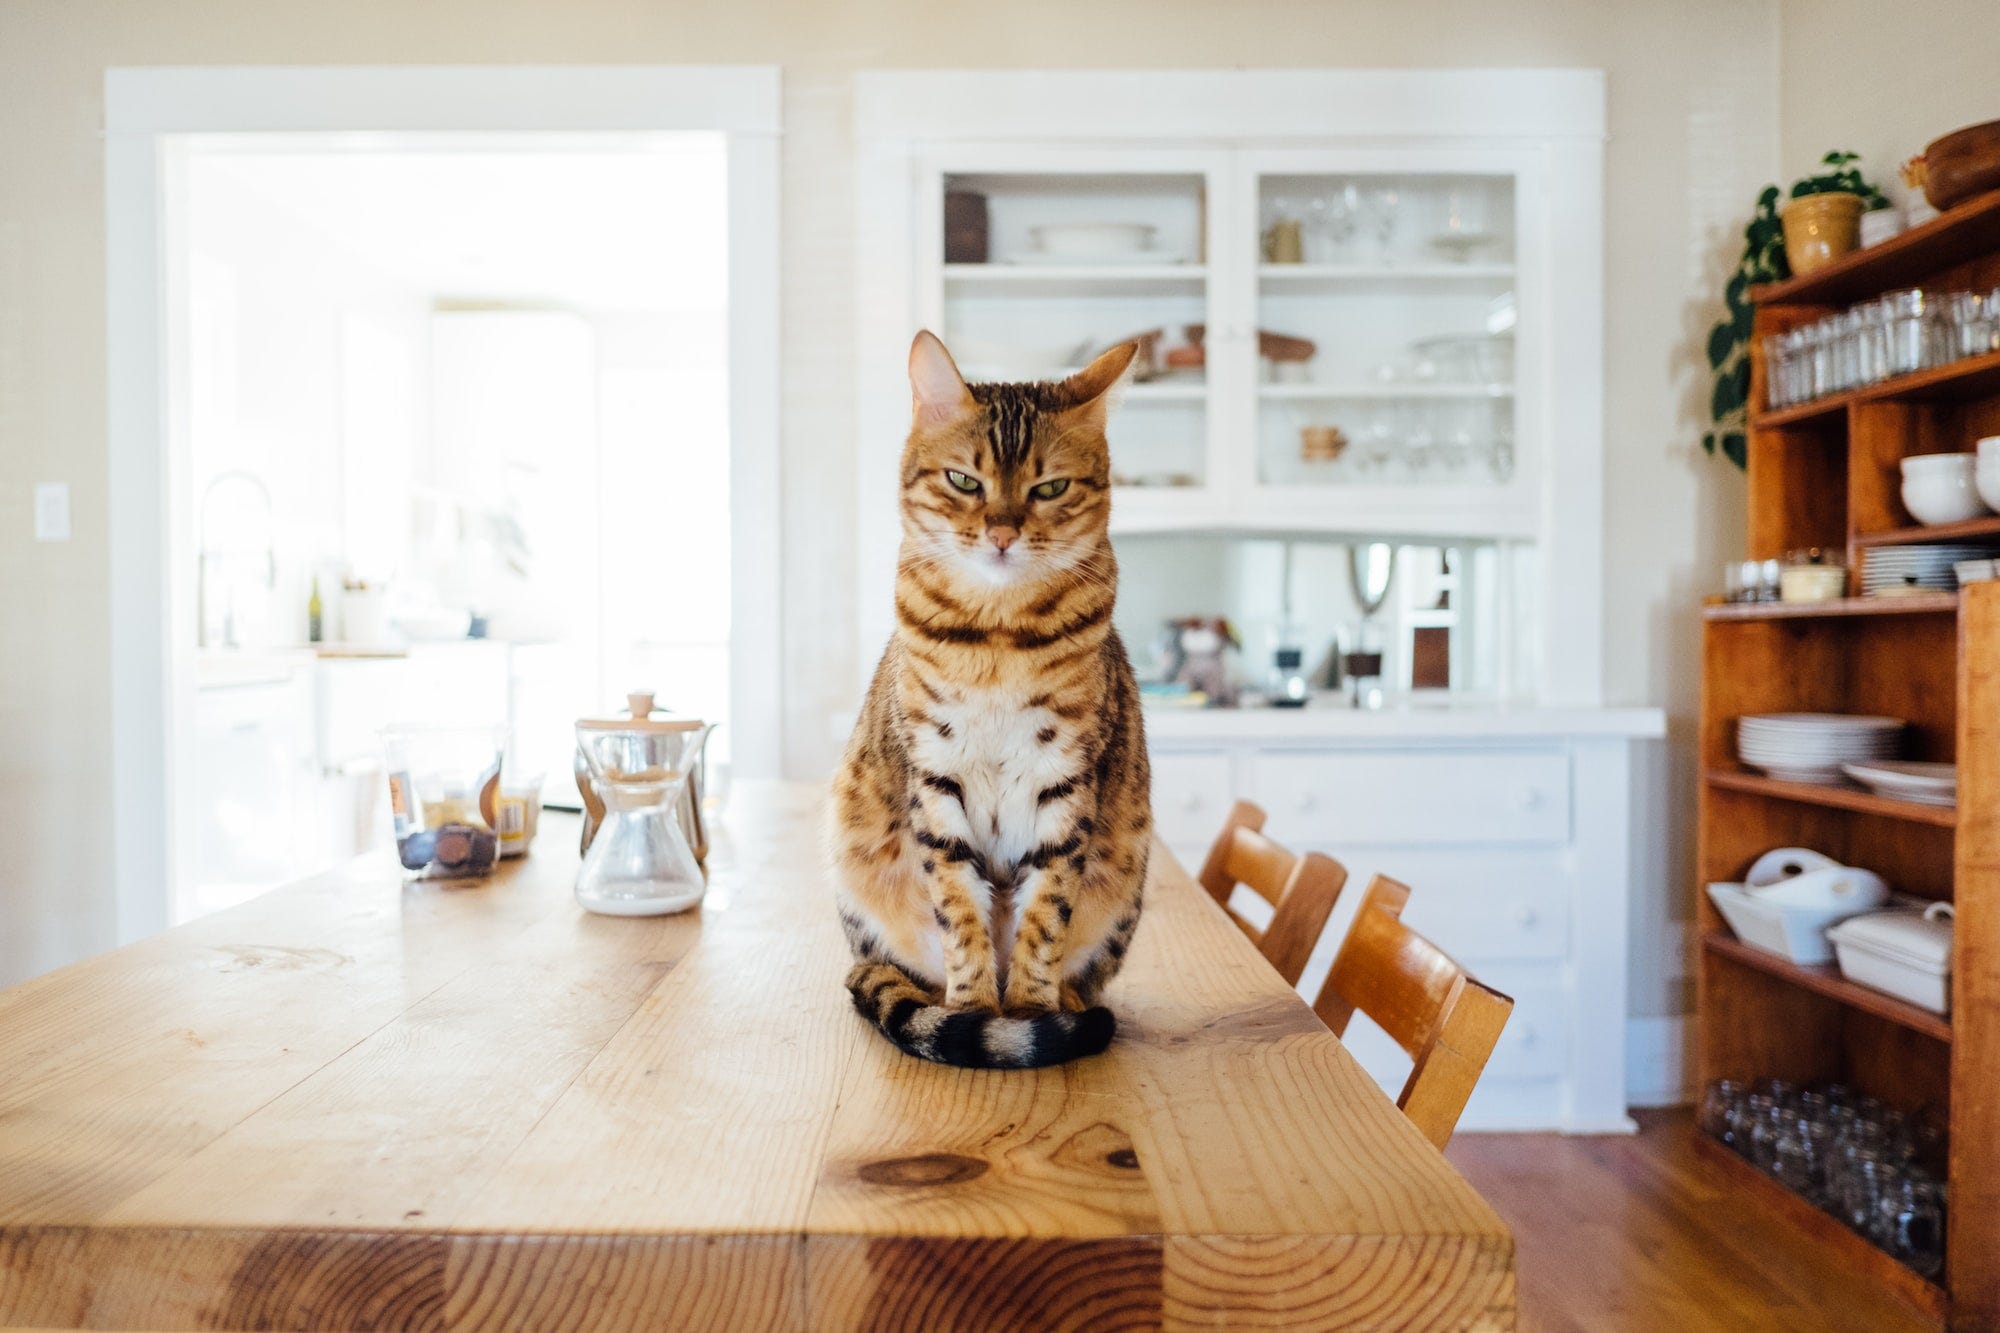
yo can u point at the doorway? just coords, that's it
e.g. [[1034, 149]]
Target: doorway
[[460, 425]]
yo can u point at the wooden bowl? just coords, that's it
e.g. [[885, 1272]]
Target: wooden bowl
[[1961, 164]]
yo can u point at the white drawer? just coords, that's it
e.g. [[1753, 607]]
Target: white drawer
[[1191, 794], [1358, 797], [1486, 906], [1533, 1045], [1535, 1042]]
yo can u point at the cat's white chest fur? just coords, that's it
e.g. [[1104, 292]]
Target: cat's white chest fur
[[996, 755]]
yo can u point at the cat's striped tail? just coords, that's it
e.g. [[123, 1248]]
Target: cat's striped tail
[[906, 1014]]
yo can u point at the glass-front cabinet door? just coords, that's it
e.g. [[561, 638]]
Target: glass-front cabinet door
[[1389, 338], [1050, 256]]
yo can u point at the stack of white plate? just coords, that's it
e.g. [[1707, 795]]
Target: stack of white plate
[[1892, 569], [1811, 747], [1927, 784]]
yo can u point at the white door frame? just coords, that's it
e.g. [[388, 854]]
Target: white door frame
[[147, 114]]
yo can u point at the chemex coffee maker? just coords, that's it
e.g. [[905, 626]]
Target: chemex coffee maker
[[641, 778]]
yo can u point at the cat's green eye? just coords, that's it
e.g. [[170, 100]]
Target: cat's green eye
[[961, 482], [1049, 490]]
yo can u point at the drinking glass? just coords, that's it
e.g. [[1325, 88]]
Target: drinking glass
[[1384, 201], [1910, 1223], [1719, 1106], [1908, 329]]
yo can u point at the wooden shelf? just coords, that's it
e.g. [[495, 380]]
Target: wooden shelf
[[1387, 392], [1827, 473], [1966, 232], [1834, 798], [1825, 979], [1917, 1291], [1967, 377], [1936, 532], [1348, 275], [1913, 604]]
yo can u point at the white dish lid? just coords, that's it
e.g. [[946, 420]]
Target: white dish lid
[[1919, 939]]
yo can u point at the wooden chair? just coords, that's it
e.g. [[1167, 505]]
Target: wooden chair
[[1300, 889], [1442, 1018]]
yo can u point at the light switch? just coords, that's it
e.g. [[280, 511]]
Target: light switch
[[52, 511]]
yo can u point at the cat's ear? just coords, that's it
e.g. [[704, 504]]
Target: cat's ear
[[937, 390], [1093, 391]]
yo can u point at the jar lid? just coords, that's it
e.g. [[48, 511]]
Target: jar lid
[[650, 726]]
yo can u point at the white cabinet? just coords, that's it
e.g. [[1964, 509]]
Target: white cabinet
[[251, 821], [1517, 849], [1393, 280]]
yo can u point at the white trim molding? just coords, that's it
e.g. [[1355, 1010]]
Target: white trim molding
[[150, 116]]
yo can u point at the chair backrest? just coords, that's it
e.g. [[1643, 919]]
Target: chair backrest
[[1447, 1022], [1300, 889]]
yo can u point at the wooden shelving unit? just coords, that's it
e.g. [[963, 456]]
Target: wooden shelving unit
[[1827, 474]]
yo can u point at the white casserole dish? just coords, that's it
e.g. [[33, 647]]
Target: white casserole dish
[[1906, 954], [1797, 932]]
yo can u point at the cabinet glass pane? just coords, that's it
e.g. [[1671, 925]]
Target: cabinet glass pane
[[1043, 271], [1385, 317]]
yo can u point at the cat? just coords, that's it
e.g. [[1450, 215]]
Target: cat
[[991, 819]]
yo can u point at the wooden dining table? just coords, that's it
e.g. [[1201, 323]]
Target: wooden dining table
[[355, 1103]]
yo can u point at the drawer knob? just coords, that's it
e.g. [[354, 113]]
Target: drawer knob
[[1526, 916], [1191, 801], [1531, 798], [1305, 801]]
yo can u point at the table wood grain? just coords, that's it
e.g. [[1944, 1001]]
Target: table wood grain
[[355, 1104]]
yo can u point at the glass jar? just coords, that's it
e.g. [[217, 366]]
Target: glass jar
[[1910, 1223], [1719, 1107], [1906, 315]]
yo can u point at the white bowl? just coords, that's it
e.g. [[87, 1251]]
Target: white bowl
[[1093, 238], [1932, 463], [1987, 482], [1989, 449], [1941, 497]]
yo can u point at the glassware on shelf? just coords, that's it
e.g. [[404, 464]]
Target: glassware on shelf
[[1718, 1107], [1910, 1222], [1870, 1166], [1384, 205]]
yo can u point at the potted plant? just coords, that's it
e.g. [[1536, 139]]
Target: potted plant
[[1823, 218], [1768, 242]]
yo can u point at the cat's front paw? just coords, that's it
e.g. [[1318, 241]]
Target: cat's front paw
[[978, 999]]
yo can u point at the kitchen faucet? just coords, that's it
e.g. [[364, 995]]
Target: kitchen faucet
[[205, 557]]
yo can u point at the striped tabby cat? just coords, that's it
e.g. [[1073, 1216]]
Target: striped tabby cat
[[991, 819]]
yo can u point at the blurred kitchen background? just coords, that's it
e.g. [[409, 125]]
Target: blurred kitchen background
[[445, 465]]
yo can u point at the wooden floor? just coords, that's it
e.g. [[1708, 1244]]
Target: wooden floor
[[1638, 1233]]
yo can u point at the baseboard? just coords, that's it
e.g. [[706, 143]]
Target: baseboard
[[1658, 1061]]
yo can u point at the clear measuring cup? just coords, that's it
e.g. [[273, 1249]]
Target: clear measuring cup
[[640, 864]]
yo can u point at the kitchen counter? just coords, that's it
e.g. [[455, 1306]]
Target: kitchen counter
[[352, 1103], [1326, 718]]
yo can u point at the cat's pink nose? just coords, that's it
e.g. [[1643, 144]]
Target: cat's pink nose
[[1002, 536]]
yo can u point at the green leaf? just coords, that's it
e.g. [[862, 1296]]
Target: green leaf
[[1727, 398], [1736, 448], [1708, 441], [1721, 343]]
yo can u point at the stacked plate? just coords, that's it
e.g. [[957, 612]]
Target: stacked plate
[[1811, 747], [1886, 570], [1927, 784]]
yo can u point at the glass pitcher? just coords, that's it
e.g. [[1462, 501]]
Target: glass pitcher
[[640, 864]]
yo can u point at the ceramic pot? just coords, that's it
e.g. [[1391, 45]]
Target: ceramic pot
[[1820, 228]]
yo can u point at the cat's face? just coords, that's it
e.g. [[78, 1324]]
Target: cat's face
[[1007, 484]]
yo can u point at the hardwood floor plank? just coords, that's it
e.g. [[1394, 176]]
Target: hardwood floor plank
[[1640, 1233]]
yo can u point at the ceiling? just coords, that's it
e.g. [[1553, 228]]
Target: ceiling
[[602, 227]]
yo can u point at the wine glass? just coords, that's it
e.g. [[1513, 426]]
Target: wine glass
[[1384, 203]]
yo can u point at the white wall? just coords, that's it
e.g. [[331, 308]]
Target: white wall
[[1883, 82], [1693, 118]]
